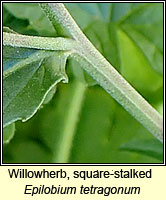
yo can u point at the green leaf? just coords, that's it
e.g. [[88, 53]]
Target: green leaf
[[152, 148], [8, 133], [32, 13], [8, 30], [145, 27], [19, 25], [136, 69], [28, 76]]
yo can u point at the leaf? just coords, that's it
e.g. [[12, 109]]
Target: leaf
[[137, 69], [19, 25], [8, 30], [151, 148], [28, 76], [145, 28], [37, 21], [84, 14], [8, 133]]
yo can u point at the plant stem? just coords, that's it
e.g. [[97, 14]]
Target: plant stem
[[101, 70], [71, 120], [35, 42]]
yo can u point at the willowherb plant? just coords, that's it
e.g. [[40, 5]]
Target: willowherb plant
[[33, 65]]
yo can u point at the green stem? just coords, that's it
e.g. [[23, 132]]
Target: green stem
[[104, 73], [71, 120], [35, 42]]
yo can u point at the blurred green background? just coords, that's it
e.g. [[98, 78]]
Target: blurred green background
[[130, 36]]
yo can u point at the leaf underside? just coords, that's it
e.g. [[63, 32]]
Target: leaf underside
[[28, 77]]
